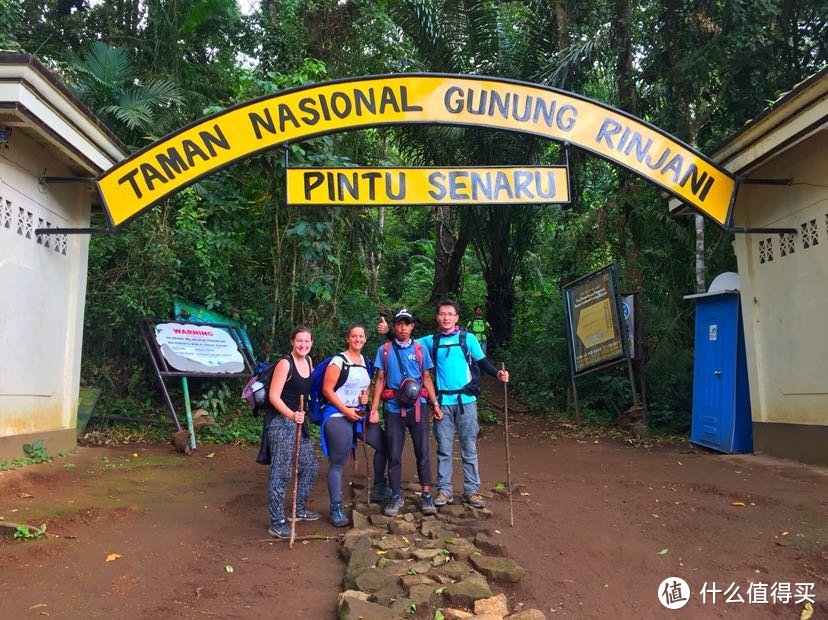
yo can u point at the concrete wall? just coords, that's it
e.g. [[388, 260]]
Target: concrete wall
[[42, 288], [785, 301]]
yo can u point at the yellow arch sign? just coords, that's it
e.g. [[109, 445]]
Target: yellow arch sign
[[211, 143]]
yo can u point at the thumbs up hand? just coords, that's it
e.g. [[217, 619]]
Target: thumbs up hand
[[382, 327]]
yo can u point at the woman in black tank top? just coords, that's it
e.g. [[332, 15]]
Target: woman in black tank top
[[291, 381]]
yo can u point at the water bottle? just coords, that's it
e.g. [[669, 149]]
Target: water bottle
[[259, 393]]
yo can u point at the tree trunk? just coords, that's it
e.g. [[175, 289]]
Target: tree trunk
[[627, 100], [373, 257], [562, 22], [448, 255], [700, 284], [500, 303]]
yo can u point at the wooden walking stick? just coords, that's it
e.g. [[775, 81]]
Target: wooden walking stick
[[296, 473], [508, 455]]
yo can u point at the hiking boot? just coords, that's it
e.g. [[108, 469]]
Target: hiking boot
[[475, 500], [337, 515], [443, 498], [427, 506], [395, 504], [380, 492], [306, 515], [281, 530]]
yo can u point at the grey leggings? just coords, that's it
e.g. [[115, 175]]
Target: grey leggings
[[282, 436], [339, 437]]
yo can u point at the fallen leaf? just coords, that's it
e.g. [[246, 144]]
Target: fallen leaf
[[663, 551], [112, 556], [381, 552], [785, 533], [737, 503], [38, 605], [135, 455], [228, 568], [24, 495], [807, 611], [211, 455]]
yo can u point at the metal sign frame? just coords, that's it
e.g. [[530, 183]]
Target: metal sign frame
[[297, 114], [609, 275]]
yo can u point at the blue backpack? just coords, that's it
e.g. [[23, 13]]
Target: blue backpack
[[317, 401]]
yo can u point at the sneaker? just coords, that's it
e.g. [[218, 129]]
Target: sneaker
[[281, 530], [307, 515], [380, 492], [337, 515], [443, 498], [475, 500], [427, 506], [394, 506]]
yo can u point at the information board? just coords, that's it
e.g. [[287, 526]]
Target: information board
[[594, 330], [198, 348]]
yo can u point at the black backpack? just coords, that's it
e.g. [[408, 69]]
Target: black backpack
[[472, 388]]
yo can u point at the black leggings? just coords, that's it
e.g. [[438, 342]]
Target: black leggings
[[339, 436]]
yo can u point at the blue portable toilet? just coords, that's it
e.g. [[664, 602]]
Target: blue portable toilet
[[721, 400]]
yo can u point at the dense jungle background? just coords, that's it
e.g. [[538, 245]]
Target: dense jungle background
[[697, 69]]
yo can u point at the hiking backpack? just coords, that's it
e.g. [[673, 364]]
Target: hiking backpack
[[255, 391], [318, 401], [472, 388]]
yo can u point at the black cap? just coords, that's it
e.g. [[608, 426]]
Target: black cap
[[403, 315]]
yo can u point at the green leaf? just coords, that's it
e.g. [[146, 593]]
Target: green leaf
[[663, 551], [211, 455]]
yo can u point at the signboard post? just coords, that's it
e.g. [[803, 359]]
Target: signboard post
[[596, 332]]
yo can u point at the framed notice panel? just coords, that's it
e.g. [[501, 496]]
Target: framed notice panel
[[594, 324]]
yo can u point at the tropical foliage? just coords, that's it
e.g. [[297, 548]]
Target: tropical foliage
[[698, 70]]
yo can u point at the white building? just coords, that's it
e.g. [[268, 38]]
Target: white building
[[781, 159], [48, 141]]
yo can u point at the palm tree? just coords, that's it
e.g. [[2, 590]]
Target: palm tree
[[512, 40], [136, 111]]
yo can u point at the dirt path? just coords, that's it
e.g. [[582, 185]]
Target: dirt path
[[589, 532]]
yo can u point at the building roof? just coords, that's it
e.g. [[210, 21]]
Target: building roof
[[33, 100]]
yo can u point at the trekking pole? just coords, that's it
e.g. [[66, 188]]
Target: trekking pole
[[368, 477], [296, 473], [508, 455]]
